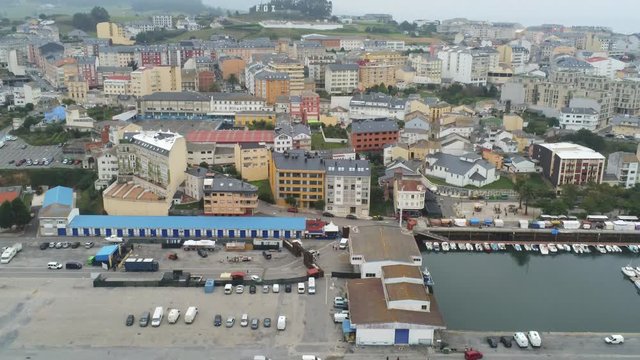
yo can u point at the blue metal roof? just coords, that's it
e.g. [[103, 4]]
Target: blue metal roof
[[58, 195], [107, 250], [187, 222]]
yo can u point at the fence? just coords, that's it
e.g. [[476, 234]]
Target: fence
[[345, 275]]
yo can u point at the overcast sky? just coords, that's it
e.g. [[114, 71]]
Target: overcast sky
[[621, 15]]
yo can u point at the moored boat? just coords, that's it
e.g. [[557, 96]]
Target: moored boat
[[575, 248], [637, 284], [544, 250], [629, 271], [633, 248], [601, 249], [527, 247], [436, 246], [478, 247], [486, 247], [585, 248], [535, 247], [426, 277], [494, 247], [502, 246], [428, 245], [445, 246], [552, 248], [453, 246], [638, 270], [616, 248], [469, 247], [517, 247], [608, 248]]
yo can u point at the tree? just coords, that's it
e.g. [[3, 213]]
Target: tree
[[319, 205], [7, 219], [527, 192], [570, 194], [291, 201], [204, 165], [83, 21], [22, 214], [68, 102], [555, 207], [133, 65], [28, 107], [233, 79], [100, 14]]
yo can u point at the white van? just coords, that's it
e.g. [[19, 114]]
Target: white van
[[344, 243], [190, 315], [312, 285], [282, 322], [228, 289], [310, 357], [54, 265], [340, 316], [158, 314], [301, 288], [173, 316], [275, 288]]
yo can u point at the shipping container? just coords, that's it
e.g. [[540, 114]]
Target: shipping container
[[140, 264]]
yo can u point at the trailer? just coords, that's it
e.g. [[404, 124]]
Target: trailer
[[208, 245], [190, 315], [140, 264], [9, 253]]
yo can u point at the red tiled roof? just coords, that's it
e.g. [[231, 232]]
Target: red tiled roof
[[596, 59], [230, 136], [8, 196], [119, 77]]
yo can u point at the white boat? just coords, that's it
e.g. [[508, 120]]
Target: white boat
[[502, 246], [633, 248], [517, 247], [544, 250], [445, 246], [637, 284], [586, 249], [609, 248], [575, 248], [552, 248], [616, 248], [638, 270], [428, 245], [469, 247], [114, 239], [535, 248], [478, 247], [601, 249], [436, 246], [453, 246], [629, 271]]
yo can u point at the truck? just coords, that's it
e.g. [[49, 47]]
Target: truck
[[10, 252], [208, 245], [173, 316], [158, 313], [140, 264], [190, 315]]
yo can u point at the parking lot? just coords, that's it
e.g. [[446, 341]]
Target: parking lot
[[16, 150]]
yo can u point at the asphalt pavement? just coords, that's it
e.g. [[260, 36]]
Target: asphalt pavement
[[14, 151]]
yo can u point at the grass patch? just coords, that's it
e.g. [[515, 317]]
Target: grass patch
[[198, 205], [27, 198], [318, 143], [504, 183], [264, 190], [89, 202], [45, 138], [437, 181]]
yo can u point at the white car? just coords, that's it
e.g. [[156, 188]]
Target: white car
[[614, 339], [521, 339], [275, 288], [244, 320], [534, 339]]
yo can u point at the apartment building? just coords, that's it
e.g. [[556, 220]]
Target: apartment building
[[468, 65], [151, 166], [226, 196], [317, 66], [576, 118], [269, 85], [394, 58], [299, 175], [149, 80], [194, 181], [341, 78], [377, 105], [252, 160], [305, 107], [373, 135], [162, 21], [408, 195], [295, 71], [428, 69], [107, 166], [228, 104], [159, 105], [567, 163], [232, 66], [373, 74], [625, 167], [116, 56], [114, 32], [117, 85], [348, 187]]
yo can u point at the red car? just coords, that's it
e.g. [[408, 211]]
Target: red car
[[292, 210], [472, 355]]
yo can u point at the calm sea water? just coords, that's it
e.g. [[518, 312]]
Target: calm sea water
[[520, 291]]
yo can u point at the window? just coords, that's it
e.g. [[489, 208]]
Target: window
[[370, 275]]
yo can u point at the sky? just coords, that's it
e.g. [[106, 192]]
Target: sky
[[621, 15]]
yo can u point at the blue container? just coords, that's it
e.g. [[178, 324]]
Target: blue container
[[209, 285], [474, 222]]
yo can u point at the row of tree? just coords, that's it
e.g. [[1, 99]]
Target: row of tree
[[14, 213], [88, 21]]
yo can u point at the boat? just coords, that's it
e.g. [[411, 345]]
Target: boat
[[616, 248], [585, 248], [544, 250], [426, 277], [552, 248], [517, 247], [445, 246], [478, 247], [453, 246], [527, 247], [633, 248], [428, 245], [565, 247], [575, 248], [535, 247], [601, 249], [436, 246], [638, 270], [502, 246], [637, 284], [486, 247], [609, 248], [494, 247], [628, 271], [469, 247]]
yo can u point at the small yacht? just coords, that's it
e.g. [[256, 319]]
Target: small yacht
[[638, 270], [453, 246], [552, 248], [637, 284], [428, 245], [601, 249], [436, 246], [609, 248], [445, 246], [527, 247], [469, 247], [494, 247], [544, 250], [426, 277], [633, 248], [478, 247], [616, 248], [517, 247], [629, 271]]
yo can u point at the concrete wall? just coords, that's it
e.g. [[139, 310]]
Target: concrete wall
[[376, 336]]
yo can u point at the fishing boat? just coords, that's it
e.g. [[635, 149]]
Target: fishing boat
[[616, 248], [486, 247], [552, 248], [628, 271], [544, 250], [494, 247], [517, 247], [426, 277], [453, 246], [445, 246], [478, 247], [428, 245], [502, 246], [436, 246], [609, 248], [469, 247], [527, 247]]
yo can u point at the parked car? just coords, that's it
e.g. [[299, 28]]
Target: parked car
[[266, 322], [202, 253], [614, 339], [239, 289], [73, 265], [52, 244], [130, 320], [506, 341], [144, 319], [230, 321], [66, 244], [252, 289], [75, 244], [88, 245], [275, 288], [472, 355], [492, 341], [351, 217], [44, 246], [327, 214], [287, 288], [255, 323], [377, 218], [217, 320], [292, 210], [244, 320], [58, 245], [11, 162], [266, 255], [256, 278], [54, 265]]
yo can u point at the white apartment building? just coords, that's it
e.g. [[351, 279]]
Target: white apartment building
[[317, 65], [282, 143], [607, 67], [232, 103], [575, 118], [468, 65], [624, 166], [107, 166], [162, 21], [348, 187], [378, 105], [341, 78], [428, 69], [117, 85], [351, 43], [27, 94]]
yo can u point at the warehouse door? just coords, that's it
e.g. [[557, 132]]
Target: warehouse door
[[402, 336]]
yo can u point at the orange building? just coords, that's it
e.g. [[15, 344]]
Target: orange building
[[270, 85], [205, 80], [232, 66]]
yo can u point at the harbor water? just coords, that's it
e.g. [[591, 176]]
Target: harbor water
[[509, 291]]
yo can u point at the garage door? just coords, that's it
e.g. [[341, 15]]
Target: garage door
[[119, 232], [96, 231], [276, 234], [243, 233], [187, 232], [85, 231], [402, 336], [209, 233], [220, 233], [62, 232], [154, 232], [165, 233], [232, 233], [198, 233], [130, 232], [287, 234], [142, 232], [176, 232], [107, 232], [254, 233], [265, 233], [74, 231]]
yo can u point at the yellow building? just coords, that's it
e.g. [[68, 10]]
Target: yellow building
[[394, 58], [512, 122], [419, 106], [373, 74], [149, 80], [224, 196], [77, 90], [493, 158], [421, 148], [245, 118], [252, 161], [438, 110], [114, 32], [296, 175], [294, 69]]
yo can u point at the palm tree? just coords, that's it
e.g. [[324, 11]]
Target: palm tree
[[527, 192]]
